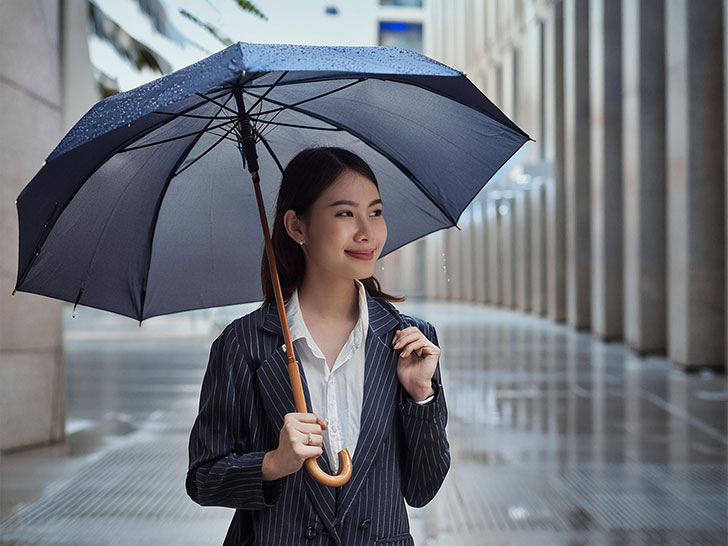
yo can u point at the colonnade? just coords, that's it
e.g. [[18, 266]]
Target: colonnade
[[613, 221]]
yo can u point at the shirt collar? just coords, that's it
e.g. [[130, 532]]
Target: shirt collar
[[298, 328]]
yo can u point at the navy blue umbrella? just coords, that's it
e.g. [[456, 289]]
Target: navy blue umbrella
[[141, 209]]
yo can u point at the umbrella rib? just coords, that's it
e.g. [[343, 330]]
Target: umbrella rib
[[270, 88], [223, 106], [134, 138], [265, 121], [277, 111], [285, 106], [225, 136], [156, 214], [192, 115], [222, 137], [270, 150], [313, 79], [178, 137], [393, 78], [399, 165]]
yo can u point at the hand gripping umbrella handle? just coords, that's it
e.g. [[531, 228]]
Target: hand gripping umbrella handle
[[311, 464]]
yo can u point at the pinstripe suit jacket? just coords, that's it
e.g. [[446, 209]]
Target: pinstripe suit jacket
[[402, 452]]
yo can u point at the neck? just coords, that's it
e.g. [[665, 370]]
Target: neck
[[329, 299]]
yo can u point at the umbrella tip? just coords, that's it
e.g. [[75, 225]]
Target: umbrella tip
[[14, 290], [457, 226], [532, 140]]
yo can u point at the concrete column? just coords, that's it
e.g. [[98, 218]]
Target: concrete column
[[385, 272], [506, 84], [554, 153], [478, 15], [605, 65], [480, 251], [443, 269], [538, 247], [495, 276], [466, 254], [644, 189], [459, 29], [531, 77], [410, 269], [508, 254], [695, 176], [522, 222], [32, 392], [452, 259], [432, 259], [578, 172], [725, 136]]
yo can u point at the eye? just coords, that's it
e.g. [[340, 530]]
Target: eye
[[377, 212], [344, 212]]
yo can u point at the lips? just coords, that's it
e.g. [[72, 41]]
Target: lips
[[362, 255]]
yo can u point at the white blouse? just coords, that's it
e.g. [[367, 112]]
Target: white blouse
[[337, 393]]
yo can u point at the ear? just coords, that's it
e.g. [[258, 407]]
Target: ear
[[294, 225]]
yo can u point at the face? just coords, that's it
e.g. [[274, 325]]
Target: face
[[346, 230]]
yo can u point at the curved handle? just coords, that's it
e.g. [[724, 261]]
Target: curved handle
[[311, 464], [326, 479]]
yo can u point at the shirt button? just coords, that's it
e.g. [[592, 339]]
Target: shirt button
[[310, 532], [365, 524]]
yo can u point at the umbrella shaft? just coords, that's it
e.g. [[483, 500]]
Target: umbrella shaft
[[245, 134]]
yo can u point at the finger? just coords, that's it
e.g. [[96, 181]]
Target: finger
[[316, 439], [309, 452], [401, 339], [309, 427], [422, 347], [303, 417]]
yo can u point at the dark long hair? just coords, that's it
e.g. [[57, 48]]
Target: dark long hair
[[305, 177]]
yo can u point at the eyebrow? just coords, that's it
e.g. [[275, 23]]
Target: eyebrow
[[352, 203]]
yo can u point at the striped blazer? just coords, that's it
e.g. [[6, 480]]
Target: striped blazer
[[402, 452]]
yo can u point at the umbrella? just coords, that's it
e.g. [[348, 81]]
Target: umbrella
[[141, 209]]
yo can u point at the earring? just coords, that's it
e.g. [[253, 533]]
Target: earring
[[300, 242]]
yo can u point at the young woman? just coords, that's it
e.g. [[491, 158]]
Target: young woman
[[370, 374]]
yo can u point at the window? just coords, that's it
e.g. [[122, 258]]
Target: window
[[403, 3], [400, 34]]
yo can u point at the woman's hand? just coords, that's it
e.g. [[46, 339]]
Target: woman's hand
[[293, 450], [417, 362]]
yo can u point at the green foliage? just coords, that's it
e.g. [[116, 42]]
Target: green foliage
[[245, 5]]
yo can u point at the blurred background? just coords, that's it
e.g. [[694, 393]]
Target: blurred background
[[580, 306]]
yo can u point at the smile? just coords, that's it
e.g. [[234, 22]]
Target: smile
[[361, 255]]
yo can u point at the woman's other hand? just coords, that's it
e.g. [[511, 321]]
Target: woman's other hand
[[417, 362], [293, 450]]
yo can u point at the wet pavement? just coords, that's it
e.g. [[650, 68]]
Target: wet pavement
[[556, 438]]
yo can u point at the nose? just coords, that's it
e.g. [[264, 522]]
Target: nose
[[365, 230]]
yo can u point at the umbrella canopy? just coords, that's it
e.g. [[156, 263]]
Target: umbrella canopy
[[143, 208]]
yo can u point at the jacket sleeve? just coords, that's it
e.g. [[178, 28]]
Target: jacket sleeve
[[427, 454], [222, 471]]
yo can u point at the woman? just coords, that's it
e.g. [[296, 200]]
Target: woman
[[370, 374]]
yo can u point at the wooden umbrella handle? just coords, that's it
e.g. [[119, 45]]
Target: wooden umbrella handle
[[311, 464]]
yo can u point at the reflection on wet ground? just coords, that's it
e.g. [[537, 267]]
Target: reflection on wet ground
[[556, 438]]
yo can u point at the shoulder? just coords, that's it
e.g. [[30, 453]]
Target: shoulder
[[244, 331], [406, 320]]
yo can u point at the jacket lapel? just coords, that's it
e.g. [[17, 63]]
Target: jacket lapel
[[378, 409]]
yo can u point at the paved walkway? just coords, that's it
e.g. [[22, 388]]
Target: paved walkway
[[556, 439]]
